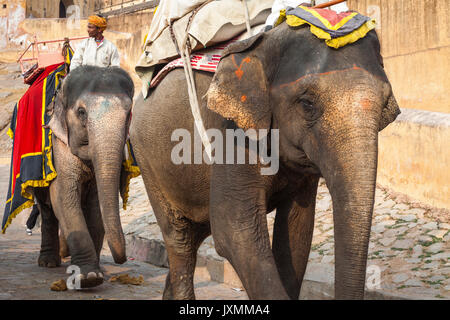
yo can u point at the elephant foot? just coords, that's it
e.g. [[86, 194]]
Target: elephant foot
[[90, 277], [49, 260]]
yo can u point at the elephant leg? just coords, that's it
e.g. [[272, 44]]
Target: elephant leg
[[49, 253], [182, 244], [292, 236], [182, 238], [94, 219], [63, 248], [239, 228], [66, 195]]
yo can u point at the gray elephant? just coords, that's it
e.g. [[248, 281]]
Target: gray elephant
[[328, 106], [90, 120]]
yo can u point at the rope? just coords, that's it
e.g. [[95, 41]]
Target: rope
[[185, 54], [247, 17]]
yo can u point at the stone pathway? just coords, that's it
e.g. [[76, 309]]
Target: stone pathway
[[409, 247]]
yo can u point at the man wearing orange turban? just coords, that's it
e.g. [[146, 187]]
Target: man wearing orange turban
[[96, 50]]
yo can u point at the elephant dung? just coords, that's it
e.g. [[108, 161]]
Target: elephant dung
[[59, 285], [126, 279]]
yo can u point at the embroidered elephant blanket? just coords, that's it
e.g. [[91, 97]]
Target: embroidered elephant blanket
[[31, 161], [337, 29]]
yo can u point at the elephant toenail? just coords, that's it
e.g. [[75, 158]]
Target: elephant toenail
[[80, 277], [100, 275], [91, 275]]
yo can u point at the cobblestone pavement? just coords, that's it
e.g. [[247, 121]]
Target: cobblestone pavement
[[409, 242], [21, 277]]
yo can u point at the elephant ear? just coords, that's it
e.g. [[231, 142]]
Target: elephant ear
[[390, 112], [57, 111], [240, 89]]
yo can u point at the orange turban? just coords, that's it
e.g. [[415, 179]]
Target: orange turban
[[97, 21]]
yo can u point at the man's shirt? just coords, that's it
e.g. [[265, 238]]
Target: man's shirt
[[88, 53]]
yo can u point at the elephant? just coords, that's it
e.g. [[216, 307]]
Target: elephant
[[327, 106], [90, 117]]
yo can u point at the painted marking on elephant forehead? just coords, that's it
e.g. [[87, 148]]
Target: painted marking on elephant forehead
[[239, 72], [322, 74], [101, 109]]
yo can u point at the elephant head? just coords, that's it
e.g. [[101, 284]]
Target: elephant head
[[328, 106], [92, 119]]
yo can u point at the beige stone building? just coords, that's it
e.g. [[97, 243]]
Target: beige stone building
[[59, 8]]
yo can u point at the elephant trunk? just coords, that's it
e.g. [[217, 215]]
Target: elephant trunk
[[350, 171], [107, 157]]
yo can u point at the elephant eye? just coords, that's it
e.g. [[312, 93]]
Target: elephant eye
[[307, 106], [81, 113]]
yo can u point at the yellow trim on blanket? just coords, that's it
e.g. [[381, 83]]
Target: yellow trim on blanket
[[132, 172], [352, 37], [10, 133], [34, 183], [24, 206]]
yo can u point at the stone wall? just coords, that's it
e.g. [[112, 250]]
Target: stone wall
[[52, 8], [414, 156], [12, 13], [415, 44]]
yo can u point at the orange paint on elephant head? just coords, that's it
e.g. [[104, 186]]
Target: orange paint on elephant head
[[239, 72]]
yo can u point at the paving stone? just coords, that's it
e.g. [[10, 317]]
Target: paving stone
[[417, 211], [430, 225], [378, 228], [5, 94], [437, 278], [323, 205], [395, 232], [329, 233], [414, 234], [413, 283], [432, 265], [382, 217], [435, 248], [388, 204], [314, 255], [328, 259], [327, 246], [401, 206], [444, 226], [387, 223], [417, 250], [413, 260], [408, 218], [401, 277], [384, 210], [403, 244], [439, 256], [387, 241], [424, 238], [438, 233]]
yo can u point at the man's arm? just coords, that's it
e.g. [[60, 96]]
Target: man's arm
[[77, 58], [115, 57]]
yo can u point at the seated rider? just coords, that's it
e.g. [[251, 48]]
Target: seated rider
[[96, 50]]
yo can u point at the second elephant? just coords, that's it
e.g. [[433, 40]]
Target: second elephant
[[90, 120]]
